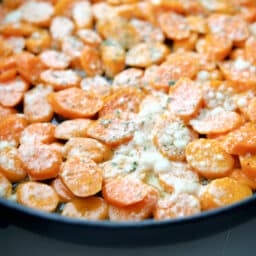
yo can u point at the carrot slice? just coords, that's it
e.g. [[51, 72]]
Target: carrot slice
[[5, 111], [91, 208], [17, 29], [248, 165], [252, 110], [187, 44], [12, 92], [17, 43], [36, 106], [38, 132], [146, 54], [40, 161], [197, 24], [72, 128], [177, 206], [65, 195], [113, 129], [88, 148], [38, 196], [224, 191], [82, 176], [75, 103], [82, 15], [241, 177], [174, 26], [61, 27], [207, 157], [171, 136], [11, 128], [127, 99], [135, 212], [6, 186], [60, 79], [8, 74], [89, 37], [11, 165]]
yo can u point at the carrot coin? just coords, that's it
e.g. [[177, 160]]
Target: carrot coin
[[146, 54], [177, 206], [82, 15], [11, 128], [89, 37], [171, 136], [17, 43], [40, 161], [127, 99], [222, 192], [248, 165], [187, 44], [72, 128], [113, 129], [241, 177], [175, 26], [5, 111], [17, 29], [207, 157], [11, 165], [75, 103], [61, 27], [6, 186], [186, 98], [249, 49], [82, 176], [65, 195], [88, 148], [36, 106], [197, 24], [38, 132], [252, 110], [38, 196], [135, 212], [91, 208]]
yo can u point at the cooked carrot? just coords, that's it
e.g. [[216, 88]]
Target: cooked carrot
[[36, 106], [113, 129], [60, 79], [54, 59], [75, 103], [197, 24], [82, 14], [6, 186], [61, 27], [8, 74], [187, 44], [89, 37], [207, 157], [177, 206], [186, 98], [40, 161], [11, 128], [82, 176], [38, 196], [58, 146], [135, 212], [17, 43], [222, 192], [5, 111], [241, 177], [38, 132], [252, 110], [72, 128], [65, 195], [64, 7], [11, 165], [171, 136], [88, 148], [17, 29], [249, 49], [91, 208], [248, 165]]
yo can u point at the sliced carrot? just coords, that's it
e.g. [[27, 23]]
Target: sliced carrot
[[6, 186], [113, 57], [40, 161], [12, 92], [241, 177], [222, 192], [175, 26], [252, 110], [127, 99], [88, 148], [135, 212], [38, 41], [99, 85], [242, 101], [8, 74], [248, 165], [171, 136], [17, 29], [216, 122], [37, 13], [219, 6], [65, 195], [197, 24], [75, 103], [177, 206], [91, 208], [60, 79], [91, 61], [82, 176], [241, 140], [17, 43], [38, 132], [11, 165], [72, 128], [146, 54], [89, 37], [5, 111], [61, 27], [38, 196], [187, 44], [207, 157], [64, 7], [113, 129], [36, 106], [58, 146], [11, 128], [6, 50], [249, 49], [82, 14]]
